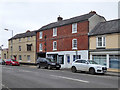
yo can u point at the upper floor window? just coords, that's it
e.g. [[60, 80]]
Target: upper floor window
[[101, 42], [29, 47], [19, 48], [40, 47], [40, 35], [54, 45], [74, 44], [74, 28], [54, 31]]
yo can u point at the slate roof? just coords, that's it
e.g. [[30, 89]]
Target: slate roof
[[108, 27], [67, 21], [22, 35]]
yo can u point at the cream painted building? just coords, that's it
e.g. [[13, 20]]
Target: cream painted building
[[22, 47], [4, 54], [104, 44]]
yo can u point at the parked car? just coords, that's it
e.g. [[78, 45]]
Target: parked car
[[12, 62], [88, 66], [47, 63], [2, 62]]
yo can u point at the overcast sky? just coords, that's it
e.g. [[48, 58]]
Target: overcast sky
[[23, 15]]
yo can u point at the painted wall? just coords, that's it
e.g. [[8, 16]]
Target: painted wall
[[24, 52], [112, 41]]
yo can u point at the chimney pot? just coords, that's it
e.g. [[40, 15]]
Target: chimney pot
[[59, 18]]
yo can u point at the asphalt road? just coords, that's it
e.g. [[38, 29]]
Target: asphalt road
[[29, 77]]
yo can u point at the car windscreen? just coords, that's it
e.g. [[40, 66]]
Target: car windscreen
[[92, 62]]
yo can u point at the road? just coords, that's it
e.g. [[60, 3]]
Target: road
[[29, 77]]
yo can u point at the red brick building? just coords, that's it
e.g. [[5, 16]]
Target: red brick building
[[66, 40]]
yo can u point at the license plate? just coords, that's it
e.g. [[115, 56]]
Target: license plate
[[57, 66]]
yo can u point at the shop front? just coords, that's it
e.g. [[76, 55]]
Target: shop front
[[109, 59]]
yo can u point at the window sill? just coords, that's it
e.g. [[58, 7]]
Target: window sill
[[74, 48], [74, 32], [54, 49], [54, 35]]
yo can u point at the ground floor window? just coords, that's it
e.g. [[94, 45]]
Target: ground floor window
[[61, 59], [114, 61], [20, 57], [78, 57], [28, 57], [100, 59], [53, 56]]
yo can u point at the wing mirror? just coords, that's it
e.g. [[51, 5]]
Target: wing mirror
[[86, 62]]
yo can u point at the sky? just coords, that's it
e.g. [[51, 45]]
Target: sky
[[23, 15]]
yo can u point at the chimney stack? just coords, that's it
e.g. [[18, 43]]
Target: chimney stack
[[27, 31], [59, 18], [93, 12]]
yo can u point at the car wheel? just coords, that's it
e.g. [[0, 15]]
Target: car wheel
[[38, 66], [74, 70], [49, 67], [92, 71]]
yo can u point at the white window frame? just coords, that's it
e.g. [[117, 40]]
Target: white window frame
[[54, 32], [40, 47], [103, 42], [74, 28], [40, 35], [54, 45], [73, 44]]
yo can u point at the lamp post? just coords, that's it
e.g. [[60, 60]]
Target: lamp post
[[11, 42]]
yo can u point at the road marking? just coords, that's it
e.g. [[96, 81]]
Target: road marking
[[70, 78]]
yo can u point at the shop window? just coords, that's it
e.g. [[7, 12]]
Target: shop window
[[78, 57], [100, 59], [114, 61], [61, 59]]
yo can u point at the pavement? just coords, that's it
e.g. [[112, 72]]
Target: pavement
[[30, 77]]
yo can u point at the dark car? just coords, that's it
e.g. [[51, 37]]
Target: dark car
[[47, 63], [2, 62], [12, 62]]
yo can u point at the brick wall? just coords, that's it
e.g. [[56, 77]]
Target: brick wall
[[64, 38]]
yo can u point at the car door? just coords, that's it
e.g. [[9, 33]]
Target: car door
[[84, 65], [78, 64]]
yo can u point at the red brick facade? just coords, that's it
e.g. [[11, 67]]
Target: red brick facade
[[64, 38]]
